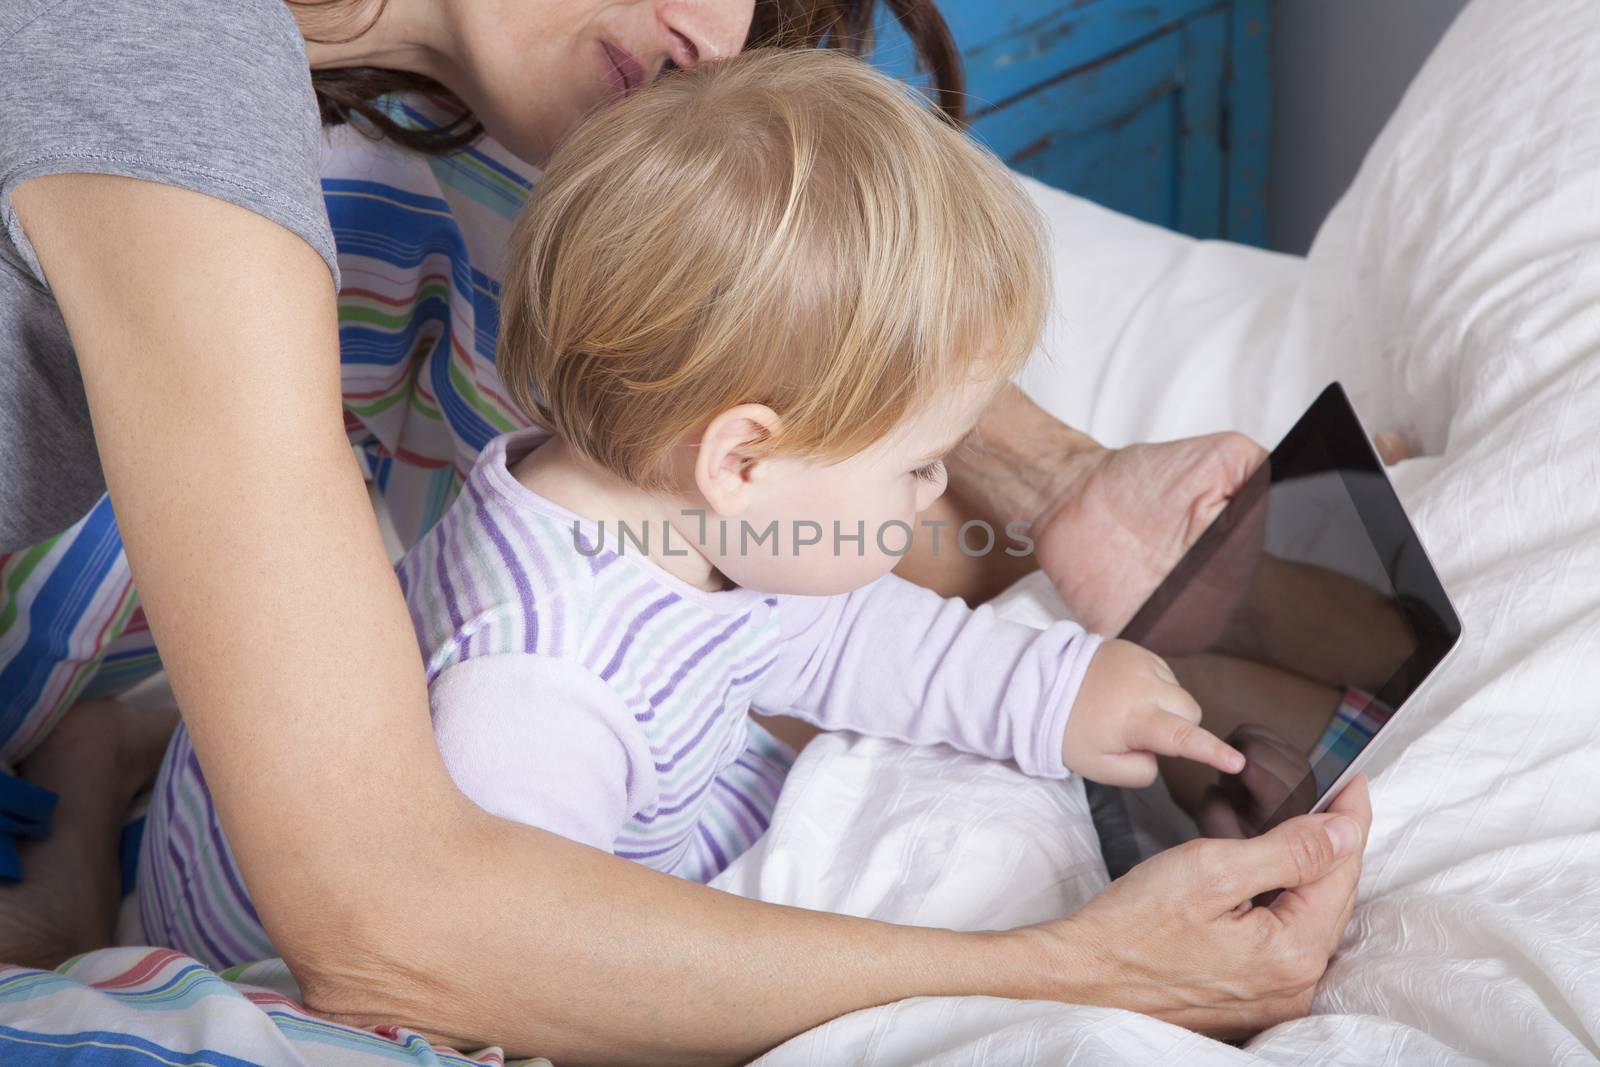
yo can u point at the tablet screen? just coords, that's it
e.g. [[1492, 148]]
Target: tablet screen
[[1301, 620]]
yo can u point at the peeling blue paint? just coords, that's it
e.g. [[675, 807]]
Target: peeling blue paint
[[1157, 108]]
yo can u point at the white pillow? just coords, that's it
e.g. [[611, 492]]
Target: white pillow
[[1463, 265], [1155, 335]]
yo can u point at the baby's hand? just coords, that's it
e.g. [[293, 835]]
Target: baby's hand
[[1130, 708]]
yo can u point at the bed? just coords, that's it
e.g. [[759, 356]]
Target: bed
[[1455, 290]]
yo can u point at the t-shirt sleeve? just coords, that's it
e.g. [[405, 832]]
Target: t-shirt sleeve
[[544, 742], [209, 95], [893, 659]]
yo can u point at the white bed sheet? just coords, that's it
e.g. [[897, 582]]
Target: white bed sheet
[[1456, 290]]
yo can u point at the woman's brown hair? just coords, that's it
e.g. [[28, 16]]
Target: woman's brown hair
[[351, 93]]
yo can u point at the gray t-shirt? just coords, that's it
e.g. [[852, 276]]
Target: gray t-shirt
[[210, 95]]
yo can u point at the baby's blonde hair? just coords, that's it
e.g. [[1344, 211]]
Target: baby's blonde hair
[[788, 228]]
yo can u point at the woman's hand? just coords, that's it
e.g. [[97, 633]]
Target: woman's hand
[[1123, 518], [1107, 524], [1129, 514], [1177, 937]]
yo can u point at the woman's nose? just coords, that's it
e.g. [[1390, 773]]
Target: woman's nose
[[705, 29]]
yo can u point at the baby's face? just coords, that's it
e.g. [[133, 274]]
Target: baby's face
[[844, 524]]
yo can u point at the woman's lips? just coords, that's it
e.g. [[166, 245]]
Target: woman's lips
[[621, 72]]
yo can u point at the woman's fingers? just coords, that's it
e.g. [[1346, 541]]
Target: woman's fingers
[[1185, 956], [1168, 734], [1392, 448], [1335, 894], [1301, 856], [1353, 800]]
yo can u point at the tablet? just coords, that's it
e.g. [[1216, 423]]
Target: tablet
[[1304, 620]]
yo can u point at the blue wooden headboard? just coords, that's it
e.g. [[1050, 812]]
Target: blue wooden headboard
[[1156, 108]]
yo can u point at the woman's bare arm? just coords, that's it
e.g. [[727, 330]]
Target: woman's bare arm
[[208, 345]]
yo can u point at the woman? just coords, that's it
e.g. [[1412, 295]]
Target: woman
[[167, 247]]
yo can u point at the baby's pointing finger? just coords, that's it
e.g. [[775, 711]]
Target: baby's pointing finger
[[1167, 734]]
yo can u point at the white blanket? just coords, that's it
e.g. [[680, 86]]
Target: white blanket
[[1456, 291]]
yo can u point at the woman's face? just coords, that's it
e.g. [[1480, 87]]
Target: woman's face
[[531, 69]]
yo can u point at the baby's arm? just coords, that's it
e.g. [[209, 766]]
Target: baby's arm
[[544, 742], [896, 660]]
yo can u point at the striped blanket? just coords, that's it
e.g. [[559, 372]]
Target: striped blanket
[[143, 1005]]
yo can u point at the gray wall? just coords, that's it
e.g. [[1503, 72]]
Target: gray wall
[[1339, 68]]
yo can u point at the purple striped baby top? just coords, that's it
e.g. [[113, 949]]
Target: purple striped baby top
[[578, 686]]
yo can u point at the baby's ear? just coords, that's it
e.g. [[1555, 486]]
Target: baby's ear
[[731, 450]]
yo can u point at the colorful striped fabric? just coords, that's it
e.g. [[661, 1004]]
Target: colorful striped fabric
[[158, 1007], [420, 244], [25, 812], [1355, 723], [65, 607]]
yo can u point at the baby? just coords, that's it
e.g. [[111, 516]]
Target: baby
[[753, 307]]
